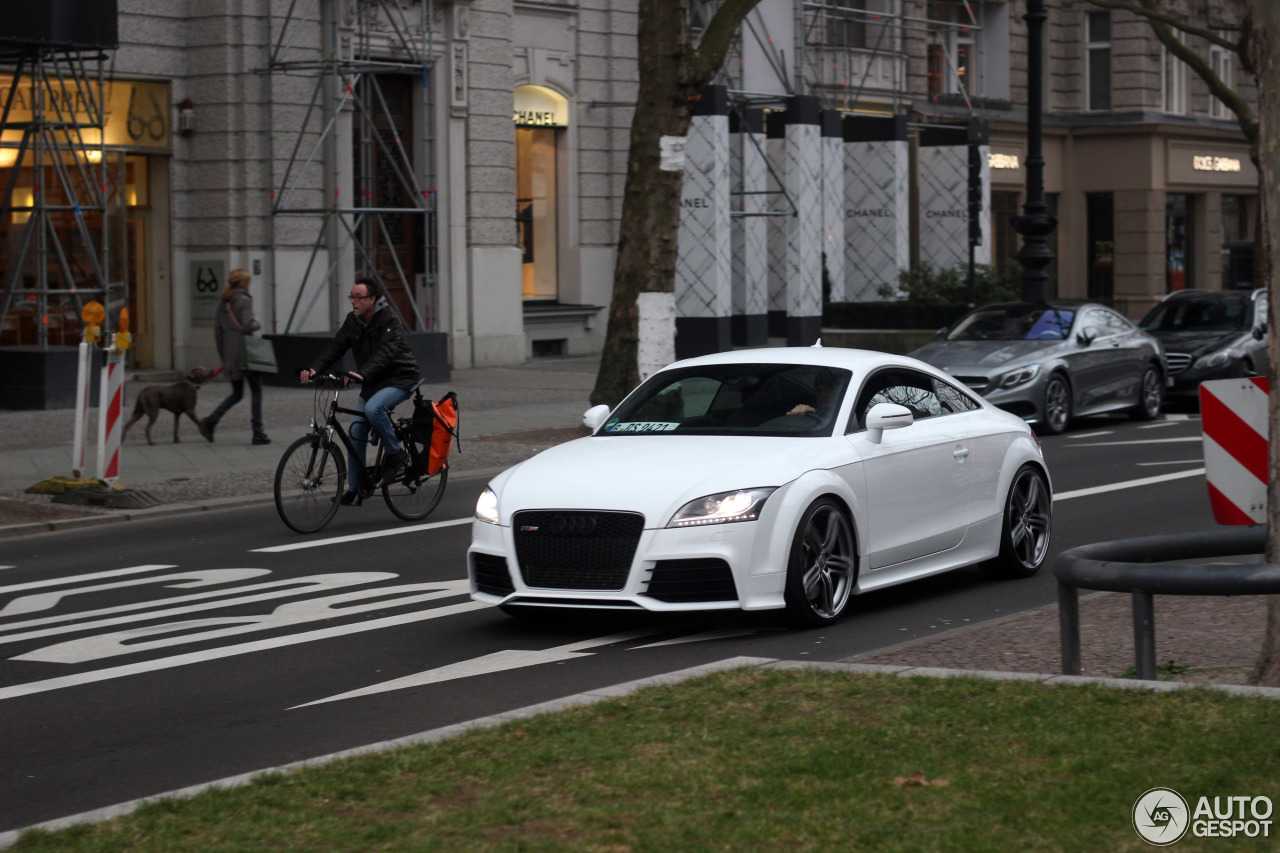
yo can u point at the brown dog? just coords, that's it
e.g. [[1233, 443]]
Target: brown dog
[[179, 398]]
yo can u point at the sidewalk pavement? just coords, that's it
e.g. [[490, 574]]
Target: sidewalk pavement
[[527, 408]]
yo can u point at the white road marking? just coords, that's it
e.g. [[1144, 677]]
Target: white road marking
[[115, 573], [47, 685], [221, 598], [722, 634], [24, 604], [151, 637], [1129, 484], [1158, 425], [1182, 440], [357, 537], [484, 665], [1179, 462], [1093, 434]]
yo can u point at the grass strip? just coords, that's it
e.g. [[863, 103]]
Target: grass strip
[[751, 760]]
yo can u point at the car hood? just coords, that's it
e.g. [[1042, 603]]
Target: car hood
[[656, 475], [1196, 343], [984, 356]]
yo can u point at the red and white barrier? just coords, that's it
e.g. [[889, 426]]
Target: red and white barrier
[[110, 425], [1233, 418]]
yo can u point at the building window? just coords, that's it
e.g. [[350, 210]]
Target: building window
[[859, 24], [1097, 78], [1239, 215], [952, 51], [1220, 64], [1100, 227], [1179, 266], [1173, 76]]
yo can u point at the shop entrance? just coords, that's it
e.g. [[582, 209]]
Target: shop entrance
[[540, 117]]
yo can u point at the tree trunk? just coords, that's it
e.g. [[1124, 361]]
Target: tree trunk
[[651, 199], [1266, 56], [673, 75]]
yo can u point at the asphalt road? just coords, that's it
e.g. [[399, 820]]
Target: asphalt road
[[146, 657]]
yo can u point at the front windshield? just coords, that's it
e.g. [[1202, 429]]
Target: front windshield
[[1014, 323], [1200, 315], [733, 399]]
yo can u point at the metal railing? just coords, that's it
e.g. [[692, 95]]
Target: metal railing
[[1140, 567]]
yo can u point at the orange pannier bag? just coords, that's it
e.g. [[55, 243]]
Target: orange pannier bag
[[435, 426]]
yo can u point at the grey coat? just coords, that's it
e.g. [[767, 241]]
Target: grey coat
[[229, 337]]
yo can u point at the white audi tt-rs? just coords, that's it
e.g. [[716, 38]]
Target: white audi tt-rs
[[766, 479]]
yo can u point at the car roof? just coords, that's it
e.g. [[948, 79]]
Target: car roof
[[856, 360], [1213, 294]]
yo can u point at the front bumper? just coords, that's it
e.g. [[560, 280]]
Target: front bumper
[[718, 567]]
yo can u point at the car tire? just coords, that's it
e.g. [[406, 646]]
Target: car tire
[[822, 568], [1150, 395], [1026, 527], [1055, 408]]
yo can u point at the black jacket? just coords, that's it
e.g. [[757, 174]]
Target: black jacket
[[380, 349]]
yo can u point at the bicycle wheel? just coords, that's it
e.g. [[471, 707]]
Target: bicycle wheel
[[309, 483], [413, 496]]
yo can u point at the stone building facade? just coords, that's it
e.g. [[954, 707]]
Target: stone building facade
[[482, 176]]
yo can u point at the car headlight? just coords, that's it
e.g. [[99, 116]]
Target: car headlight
[[487, 506], [1019, 376], [1214, 359], [726, 507]]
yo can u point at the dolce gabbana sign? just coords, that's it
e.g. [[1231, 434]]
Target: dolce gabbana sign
[[1209, 165]]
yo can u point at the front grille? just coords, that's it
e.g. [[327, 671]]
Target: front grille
[[683, 581], [491, 575], [1177, 361], [569, 549], [978, 384]]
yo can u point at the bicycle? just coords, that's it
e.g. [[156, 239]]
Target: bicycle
[[312, 474]]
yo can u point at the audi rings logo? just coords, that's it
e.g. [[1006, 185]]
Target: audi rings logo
[[565, 525], [1161, 816]]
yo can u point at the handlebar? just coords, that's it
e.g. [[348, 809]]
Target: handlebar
[[331, 380]]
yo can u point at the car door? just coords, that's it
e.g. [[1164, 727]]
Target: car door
[[1131, 350], [1102, 363], [916, 478]]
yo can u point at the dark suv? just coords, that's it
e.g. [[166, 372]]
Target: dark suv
[[1210, 335]]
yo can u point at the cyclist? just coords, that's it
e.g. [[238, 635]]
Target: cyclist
[[376, 338]]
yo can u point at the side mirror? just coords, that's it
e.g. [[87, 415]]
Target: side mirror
[[941, 333], [1260, 331], [885, 416], [594, 417], [1087, 335]]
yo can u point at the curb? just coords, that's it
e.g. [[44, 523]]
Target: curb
[[62, 525], [616, 691]]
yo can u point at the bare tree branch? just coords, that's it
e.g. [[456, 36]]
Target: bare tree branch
[[1162, 24]]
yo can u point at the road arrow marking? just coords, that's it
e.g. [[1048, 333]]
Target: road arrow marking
[[485, 665], [721, 634]]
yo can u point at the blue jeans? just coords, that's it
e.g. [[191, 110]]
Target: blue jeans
[[376, 414]]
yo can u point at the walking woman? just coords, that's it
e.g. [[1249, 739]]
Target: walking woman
[[234, 321]]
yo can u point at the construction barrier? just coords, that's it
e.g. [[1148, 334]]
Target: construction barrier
[[1233, 419], [110, 425]]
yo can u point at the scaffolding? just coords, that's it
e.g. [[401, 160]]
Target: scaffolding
[[389, 215], [62, 197]]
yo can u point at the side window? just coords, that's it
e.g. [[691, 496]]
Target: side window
[[903, 387], [1113, 324], [953, 400]]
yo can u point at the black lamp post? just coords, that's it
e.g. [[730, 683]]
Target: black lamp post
[[1036, 223]]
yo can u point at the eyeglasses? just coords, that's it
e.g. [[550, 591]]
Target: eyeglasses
[[356, 297]]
